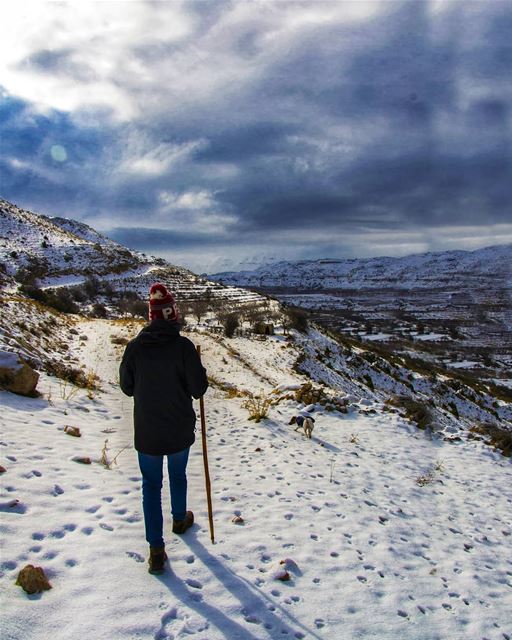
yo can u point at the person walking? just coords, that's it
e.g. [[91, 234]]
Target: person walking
[[162, 371]]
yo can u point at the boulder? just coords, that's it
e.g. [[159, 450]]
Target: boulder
[[16, 375], [33, 579]]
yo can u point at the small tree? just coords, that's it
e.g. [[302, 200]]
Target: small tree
[[92, 287], [199, 307], [231, 323], [99, 310], [230, 320], [297, 319]]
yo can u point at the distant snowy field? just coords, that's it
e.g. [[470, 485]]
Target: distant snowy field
[[386, 533]]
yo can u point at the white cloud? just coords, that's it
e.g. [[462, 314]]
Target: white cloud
[[156, 160], [136, 58]]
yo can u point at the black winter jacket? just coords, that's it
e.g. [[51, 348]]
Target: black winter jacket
[[162, 371]]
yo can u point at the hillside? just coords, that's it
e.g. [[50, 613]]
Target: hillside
[[386, 530], [450, 310], [394, 520], [62, 253]]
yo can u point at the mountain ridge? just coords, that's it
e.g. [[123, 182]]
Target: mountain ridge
[[418, 269], [60, 252]]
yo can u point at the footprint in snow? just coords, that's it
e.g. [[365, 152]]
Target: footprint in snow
[[58, 533], [195, 584], [252, 619], [93, 509], [135, 556], [13, 506]]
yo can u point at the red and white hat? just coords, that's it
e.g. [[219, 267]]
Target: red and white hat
[[162, 304]]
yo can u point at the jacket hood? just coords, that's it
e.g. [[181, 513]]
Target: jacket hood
[[159, 331]]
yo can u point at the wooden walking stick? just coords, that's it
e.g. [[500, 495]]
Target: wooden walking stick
[[205, 460]]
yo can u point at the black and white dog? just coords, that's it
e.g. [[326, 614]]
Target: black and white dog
[[304, 422]]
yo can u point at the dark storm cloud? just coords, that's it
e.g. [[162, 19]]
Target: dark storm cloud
[[400, 120], [247, 141], [414, 172], [144, 239]]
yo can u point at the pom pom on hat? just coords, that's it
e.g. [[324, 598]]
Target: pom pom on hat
[[162, 304]]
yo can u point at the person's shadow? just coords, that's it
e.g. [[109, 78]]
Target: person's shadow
[[254, 603]]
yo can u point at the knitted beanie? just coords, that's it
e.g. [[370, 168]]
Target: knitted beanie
[[162, 304]]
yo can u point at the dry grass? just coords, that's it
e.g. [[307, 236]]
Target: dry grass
[[426, 478], [228, 388], [105, 459], [431, 475]]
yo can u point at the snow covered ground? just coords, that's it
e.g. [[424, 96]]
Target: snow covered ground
[[386, 533]]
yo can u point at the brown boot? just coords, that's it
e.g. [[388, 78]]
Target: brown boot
[[180, 526], [157, 558]]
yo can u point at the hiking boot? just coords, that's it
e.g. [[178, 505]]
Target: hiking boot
[[157, 558], [180, 526]]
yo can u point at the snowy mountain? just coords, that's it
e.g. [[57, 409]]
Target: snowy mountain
[[60, 252], [429, 270]]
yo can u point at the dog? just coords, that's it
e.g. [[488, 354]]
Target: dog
[[304, 422]]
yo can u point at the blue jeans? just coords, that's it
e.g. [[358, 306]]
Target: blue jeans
[[152, 477]]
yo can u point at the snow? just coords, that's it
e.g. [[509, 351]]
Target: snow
[[376, 336], [9, 360], [463, 364], [428, 336], [384, 533], [73, 279]]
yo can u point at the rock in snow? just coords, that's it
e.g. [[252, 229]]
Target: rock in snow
[[16, 375]]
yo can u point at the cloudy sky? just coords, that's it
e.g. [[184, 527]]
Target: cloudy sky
[[220, 134]]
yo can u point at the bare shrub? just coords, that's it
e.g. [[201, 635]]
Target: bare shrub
[[257, 406], [415, 410], [495, 436], [74, 375]]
